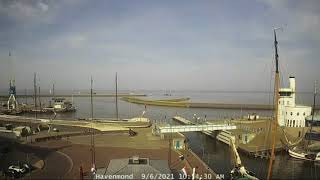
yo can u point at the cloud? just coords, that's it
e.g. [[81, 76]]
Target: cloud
[[73, 41], [160, 46], [22, 10], [44, 7]]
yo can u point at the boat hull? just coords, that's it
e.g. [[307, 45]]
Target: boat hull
[[304, 156]]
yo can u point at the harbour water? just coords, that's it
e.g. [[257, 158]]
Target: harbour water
[[216, 154]]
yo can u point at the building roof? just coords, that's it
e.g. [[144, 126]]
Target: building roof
[[58, 98], [136, 166], [298, 106]]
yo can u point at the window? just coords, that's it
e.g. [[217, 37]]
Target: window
[[297, 113], [291, 113], [288, 103], [304, 114], [286, 113], [294, 123], [285, 93]]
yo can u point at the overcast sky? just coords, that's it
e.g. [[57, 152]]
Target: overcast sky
[[186, 45]]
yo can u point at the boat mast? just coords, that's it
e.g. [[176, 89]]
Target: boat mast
[[117, 112], [35, 93], [92, 133], [25, 95], [276, 103], [91, 99], [314, 103], [39, 97], [53, 90]]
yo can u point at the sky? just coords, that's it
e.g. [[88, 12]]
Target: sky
[[158, 45]]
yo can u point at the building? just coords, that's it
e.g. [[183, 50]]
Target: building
[[133, 168], [178, 140], [290, 114]]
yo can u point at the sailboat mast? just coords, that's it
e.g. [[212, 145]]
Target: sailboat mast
[[117, 112], [39, 98], [25, 95], [53, 90], [91, 99], [35, 93], [92, 133], [276, 103], [35, 89], [314, 102]]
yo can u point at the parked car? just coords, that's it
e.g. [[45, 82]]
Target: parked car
[[55, 130], [20, 169], [17, 169]]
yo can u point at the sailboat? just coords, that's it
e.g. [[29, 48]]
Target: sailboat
[[304, 153]]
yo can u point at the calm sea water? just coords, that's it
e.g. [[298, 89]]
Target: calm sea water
[[215, 154]]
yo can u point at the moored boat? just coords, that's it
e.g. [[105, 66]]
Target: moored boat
[[303, 155], [62, 105]]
